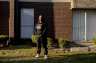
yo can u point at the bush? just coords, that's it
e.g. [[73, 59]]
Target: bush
[[49, 40], [63, 43], [3, 36], [35, 38], [3, 40], [94, 40]]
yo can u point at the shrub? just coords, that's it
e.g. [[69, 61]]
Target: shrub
[[35, 38], [49, 40], [60, 42], [3, 36], [3, 40], [63, 43], [94, 40]]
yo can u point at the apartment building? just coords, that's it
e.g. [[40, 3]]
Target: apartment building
[[71, 19]]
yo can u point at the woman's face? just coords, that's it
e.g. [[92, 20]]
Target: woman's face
[[40, 19]]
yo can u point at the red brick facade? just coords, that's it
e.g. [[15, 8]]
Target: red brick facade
[[58, 15], [63, 20]]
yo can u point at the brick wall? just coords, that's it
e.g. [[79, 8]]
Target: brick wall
[[91, 4], [58, 16], [4, 14], [63, 20]]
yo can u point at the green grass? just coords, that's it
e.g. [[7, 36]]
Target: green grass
[[25, 54]]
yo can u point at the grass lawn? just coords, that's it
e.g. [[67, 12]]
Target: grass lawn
[[25, 54]]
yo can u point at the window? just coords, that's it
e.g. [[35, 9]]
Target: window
[[84, 25]]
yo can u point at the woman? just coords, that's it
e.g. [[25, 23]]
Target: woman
[[41, 31]]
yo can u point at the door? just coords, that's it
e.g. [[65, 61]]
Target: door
[[91, 24], [27, 23], [78, 25]]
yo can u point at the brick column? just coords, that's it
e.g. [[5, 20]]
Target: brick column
[[63, 20], [11, 18]]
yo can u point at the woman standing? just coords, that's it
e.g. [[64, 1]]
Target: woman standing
[[41, 31]]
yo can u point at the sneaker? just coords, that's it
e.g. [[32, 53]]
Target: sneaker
[[37, 56], [45, 56]]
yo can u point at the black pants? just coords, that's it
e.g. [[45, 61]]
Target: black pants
[[42, 41]]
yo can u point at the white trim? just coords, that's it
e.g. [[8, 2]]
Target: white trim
[[72, 4], [85, 38], [45, 0]]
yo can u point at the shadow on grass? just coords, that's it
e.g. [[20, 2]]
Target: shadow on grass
[[12, 47], [74, 44], [74, 58]]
